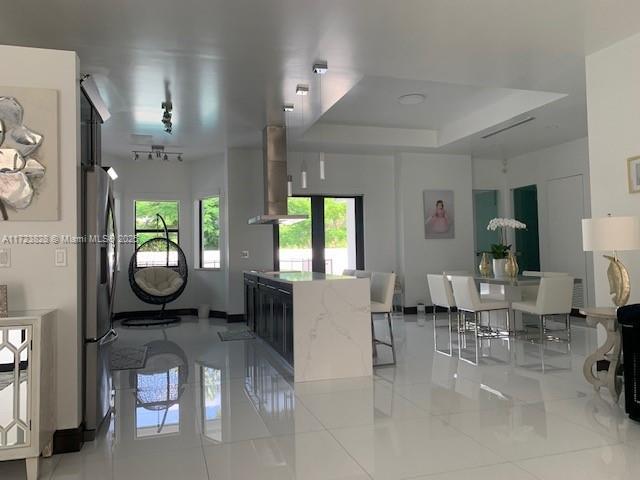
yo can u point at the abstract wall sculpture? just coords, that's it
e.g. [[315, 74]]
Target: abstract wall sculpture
[[28, 154]]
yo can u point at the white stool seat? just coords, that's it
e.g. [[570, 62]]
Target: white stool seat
[[379, 307], [382, 286]]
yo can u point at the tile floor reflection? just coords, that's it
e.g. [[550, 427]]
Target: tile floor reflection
[[455, 406]]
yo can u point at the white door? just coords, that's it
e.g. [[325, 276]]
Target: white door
[[565, 207]]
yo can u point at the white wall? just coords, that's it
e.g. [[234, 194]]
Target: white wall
[[185, 182], [208, 178], [33, 280], [490, 174], [613, 104], [553, 170], [419, 256], [245, 200]]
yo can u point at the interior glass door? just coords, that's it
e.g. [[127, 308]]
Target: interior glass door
[[339, 234], [527, 245], [485, 208], [295, 250], [329, 241]]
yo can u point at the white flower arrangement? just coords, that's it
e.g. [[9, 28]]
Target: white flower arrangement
[[501, 250], [497, 223]]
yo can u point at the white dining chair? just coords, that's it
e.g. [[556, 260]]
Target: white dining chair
[[468, 300], [441, 294], [530, 292], [555, 295], [382, 286]]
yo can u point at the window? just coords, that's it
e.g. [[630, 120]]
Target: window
[[148, 226], [209, 215], [331, 240]]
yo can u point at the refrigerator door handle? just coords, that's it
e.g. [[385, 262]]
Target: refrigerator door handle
[[108, 337], [111, 336]]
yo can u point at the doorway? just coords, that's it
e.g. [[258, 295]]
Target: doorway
[[329, 241], [527, 244], [485, 208]]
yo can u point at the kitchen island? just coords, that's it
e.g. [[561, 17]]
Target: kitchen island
[[320, 324]]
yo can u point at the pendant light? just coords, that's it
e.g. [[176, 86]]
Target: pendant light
[[322, 175], [303, 165], [320, 69], [288, 108], [303, 175]]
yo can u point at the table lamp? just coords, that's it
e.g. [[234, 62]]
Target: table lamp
[[613, 234]]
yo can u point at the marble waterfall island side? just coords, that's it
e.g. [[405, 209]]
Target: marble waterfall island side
[[321, 324]]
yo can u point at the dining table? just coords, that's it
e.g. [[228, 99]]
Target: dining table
[[505, 288]]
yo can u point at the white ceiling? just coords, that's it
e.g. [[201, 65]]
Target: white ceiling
[[232, 64]]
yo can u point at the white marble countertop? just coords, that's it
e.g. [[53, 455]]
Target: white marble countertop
[[293, 277]]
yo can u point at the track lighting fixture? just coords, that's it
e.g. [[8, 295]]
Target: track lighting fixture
[[166, 116], [287, 107], [320, 68], [157, 151], [302, 90]]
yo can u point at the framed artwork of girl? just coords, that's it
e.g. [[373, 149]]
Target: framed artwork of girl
[[438, 214]]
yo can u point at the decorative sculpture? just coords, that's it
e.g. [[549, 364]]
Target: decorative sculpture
[[19, 173]]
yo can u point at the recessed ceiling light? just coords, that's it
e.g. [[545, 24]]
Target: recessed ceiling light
[[320, 68], [412, 99], [287, 107], [302, 90]]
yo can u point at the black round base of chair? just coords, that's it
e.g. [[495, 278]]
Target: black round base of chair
[[150, 321]]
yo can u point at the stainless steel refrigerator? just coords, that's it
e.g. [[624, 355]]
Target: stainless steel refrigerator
[[99, 269]]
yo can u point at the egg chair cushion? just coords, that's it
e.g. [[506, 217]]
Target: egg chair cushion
[[158, 281]]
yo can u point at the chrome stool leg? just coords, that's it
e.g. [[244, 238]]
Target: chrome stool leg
[[390, 343]]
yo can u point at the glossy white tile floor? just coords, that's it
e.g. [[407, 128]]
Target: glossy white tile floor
[[452, 408]]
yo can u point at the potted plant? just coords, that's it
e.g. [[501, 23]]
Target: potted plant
[[500, 251]]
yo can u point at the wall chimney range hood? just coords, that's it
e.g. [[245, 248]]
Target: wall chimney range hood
[[274, 151]]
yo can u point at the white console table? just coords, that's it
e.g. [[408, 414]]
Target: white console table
[[27, 386]]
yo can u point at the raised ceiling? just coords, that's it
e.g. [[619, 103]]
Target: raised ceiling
[[232, 64], [374, 101]]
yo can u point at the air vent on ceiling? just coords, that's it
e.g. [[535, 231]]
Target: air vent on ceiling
[[509, 127]]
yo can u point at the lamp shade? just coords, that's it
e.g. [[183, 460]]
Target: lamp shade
[[610, 233]]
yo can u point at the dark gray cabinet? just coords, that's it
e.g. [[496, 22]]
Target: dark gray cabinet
[[250, 293], [269, 313]]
